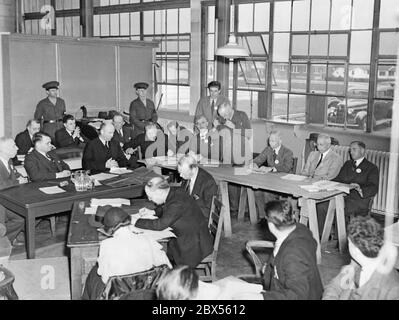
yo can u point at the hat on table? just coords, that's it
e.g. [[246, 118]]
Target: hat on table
[[51, 85], [141, 85]]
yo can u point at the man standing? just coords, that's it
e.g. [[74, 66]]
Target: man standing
[[40, 164], [50, 110], [142, 110], [197, 183], [102, 154], [24, 139], [178, 210], [9, 177], [69, 135], [208, 106]]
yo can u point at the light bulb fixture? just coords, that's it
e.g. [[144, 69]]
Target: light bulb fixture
[[232, 49]]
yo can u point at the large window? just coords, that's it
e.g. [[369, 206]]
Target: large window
[[330, 62]]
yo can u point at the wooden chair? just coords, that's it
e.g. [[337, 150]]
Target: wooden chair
[[6, 285], [215, 226]]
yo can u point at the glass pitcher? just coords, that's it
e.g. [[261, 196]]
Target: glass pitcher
[[81, 180]]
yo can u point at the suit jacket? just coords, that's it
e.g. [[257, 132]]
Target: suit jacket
[[203, 191], [328, 168], [210, 147], [155, 148], [140, 115], [8, 179], [180, 143], [63, 139], [204, 108], [181, 213], [95, 155], [241, 122], [293, 273], [367, 178], [284, 160], [128, 135], [39, 168], [23, 142]]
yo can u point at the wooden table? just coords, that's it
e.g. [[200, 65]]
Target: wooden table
[[394, 228], [29, 202]]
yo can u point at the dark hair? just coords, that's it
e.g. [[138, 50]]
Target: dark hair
[[214, 84], [173, 123], [367, 235], [67, 117], [361, 144], [180, 283], [279, 212], [200, 116], [28, 124], [38, 136]]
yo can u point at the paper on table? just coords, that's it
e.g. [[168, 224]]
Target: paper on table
[[103, 176], [144, 216], [294, 177], [116, 202], [310, 188], [120, 170], [52, 190], [156, 235], [90, 210]]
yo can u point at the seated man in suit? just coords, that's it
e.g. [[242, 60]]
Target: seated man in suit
[[274, 158], [323, 164], [178, 139], [102, 154], [153, 143], [69, 135], [176, 209], [197, 183], [9, 177], [205, 142], [42, 165], [23, 139]]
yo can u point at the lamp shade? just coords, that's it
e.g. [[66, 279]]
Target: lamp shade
[[232, 49]]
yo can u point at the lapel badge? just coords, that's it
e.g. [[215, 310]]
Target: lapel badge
[[358, 170], [276, 161]]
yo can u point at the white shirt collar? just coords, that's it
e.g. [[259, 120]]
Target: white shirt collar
[[367, 271], [192, 180], [43, 153], [103, 141], [326, 152], [277, 150], [281, 239], [5, 162], [359, 161]]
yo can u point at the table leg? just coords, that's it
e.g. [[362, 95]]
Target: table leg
[[30, 234], [252, 207], [329, 221], [313, 226], [340, 212], [76, 273], [242, 205], [226, 208]]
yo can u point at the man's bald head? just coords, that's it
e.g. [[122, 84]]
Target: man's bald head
[[107, 131], [157, 190], [225, 110], [323, 142], [8, 149]]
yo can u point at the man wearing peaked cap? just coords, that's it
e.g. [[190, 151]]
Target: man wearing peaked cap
[[142, 110], [50, 110]]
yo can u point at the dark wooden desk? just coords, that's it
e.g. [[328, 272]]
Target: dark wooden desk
[[29, 202]]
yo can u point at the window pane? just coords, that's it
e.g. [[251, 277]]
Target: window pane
[[184, 20], [184, 98], [281, 47], [114, 24], [336, 79], [280, 76], [256, 45], [244, 102], [360, 47], [245, 17], [336, 111], [300, 45], [265, 38], [318, 45], [184, 46], [60, 27], [362, 14], [300, 15], [358, 85], [210, 71], [279, 106], [160, 18], [104, 25], [171, 23], [282, 16], [298, 77], [135, 23], [172, 72], [211, 19], [320, 14], [382, 117], [184, 71], [341, 15], [297, 108], [338, 45], [386, 81], [318, 81], [388, 13], [148, 17], [389, 42], [124, 20], [211, 47], [262, 14], [356, 117], [170, 97], [250, 74]]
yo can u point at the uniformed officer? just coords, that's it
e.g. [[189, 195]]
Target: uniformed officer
[[142, 110], [50, 110]]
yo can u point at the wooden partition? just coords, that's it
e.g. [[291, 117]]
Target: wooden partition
[[93, 72]]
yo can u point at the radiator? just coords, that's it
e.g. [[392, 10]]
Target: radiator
[[381, 160]]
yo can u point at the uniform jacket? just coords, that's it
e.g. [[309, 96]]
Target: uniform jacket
[[284, 160], [184, 216], [328, 168], [46, 110], [204, 108], [293, 273], [8, 179], [63, 139], [23, 142], [203, 191], [155, 148], [96, 154], [367, 176], [140, 114], [39, 168]]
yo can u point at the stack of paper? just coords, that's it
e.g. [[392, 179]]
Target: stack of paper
[[326, 185], [156, 235], [52, 190], [120, 170], [294, 177], [102, 176], [116, 202]]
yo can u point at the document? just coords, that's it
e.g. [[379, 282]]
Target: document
[[52, 190], [156, 235], [294, 177], [103, 176], [120, 170], [91, 210], [116, 202]]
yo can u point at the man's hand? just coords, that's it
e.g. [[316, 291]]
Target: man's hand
[[357, 187], [230, 124], [170, 153], [130, 150], [63, 174], [111, 164], [146, 212], [22, 180], [216, 123], [76, 133]]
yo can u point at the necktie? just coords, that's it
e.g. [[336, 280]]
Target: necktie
[[121, 132], [321, 159], [213, 106], [274, 156], [106, 144], [354, 164], [188, 186]]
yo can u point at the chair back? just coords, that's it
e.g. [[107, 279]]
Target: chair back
[[120, 287], [294, 164], [215, 223]]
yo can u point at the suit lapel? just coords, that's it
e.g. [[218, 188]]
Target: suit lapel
[[48, 163]]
